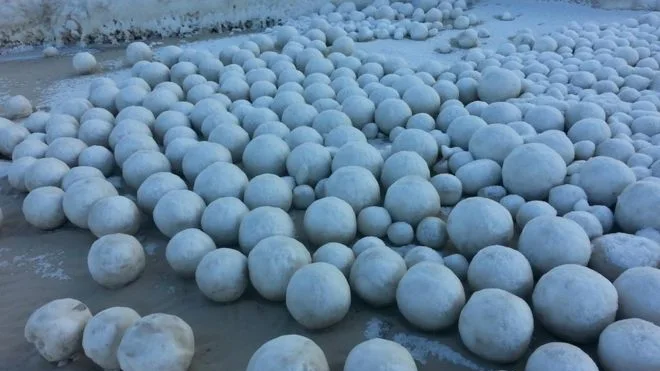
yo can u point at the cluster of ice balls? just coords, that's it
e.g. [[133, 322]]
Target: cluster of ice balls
[[115, 338], [383, 19], [273, 125]]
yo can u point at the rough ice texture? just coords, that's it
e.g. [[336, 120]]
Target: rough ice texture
[[95, 21]]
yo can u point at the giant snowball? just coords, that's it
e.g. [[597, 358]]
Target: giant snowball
[[498, 84], [42, 208], [339, 255], [478, 222], [637, 207], [559, 357], [496, 325], [56, 328], [603, 179], [84, 63], [288, 353], [355, 185], [418, 141], [503, 268], [222, 218], [531, 170], [186, 249], [104, 332], [222, 275], [430, 296], [272, 263], [392, 113], [411, 199], [157, 342], [375, 275], [630, 344], [379, 354], [639, 294], [178, 210], [265, 154], [550, 241], [615, 253], [81, 196], [330, 219], [575, 303], [268, 190], [155, 187], [45, 172], [114, 214], [329, 304], [261, 223], [115, 260], [309, 163], [220, 179]]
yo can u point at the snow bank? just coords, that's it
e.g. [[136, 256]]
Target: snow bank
[[96, 21], [619, 4]]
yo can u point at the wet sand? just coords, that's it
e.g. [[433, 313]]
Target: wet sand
[[37, 266]]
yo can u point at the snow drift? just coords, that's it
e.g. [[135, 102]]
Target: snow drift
[[95, 21]]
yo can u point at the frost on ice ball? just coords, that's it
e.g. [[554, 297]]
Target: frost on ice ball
[[42, 208], [531, 170], [186, 249], [615, 253], [496, 325], [478, 222], [81, 196], [178, 210], [17, 107], [379, 354], [579, 321], [116, 260], [222, 275], [430, 296], [85, 63], [288, 352], [560, 357], [329, 304], [114, 214], [261, 223], [639, 294], [550, 241], [630, 344], [272, 262], [56, 328], [330, 219], [104, 332], [376, 274], [503, 268], [157, 342]]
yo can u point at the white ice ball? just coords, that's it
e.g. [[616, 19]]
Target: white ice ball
[[85, 63], [330, 219], [268, 190], [220, 179], [17, 107], [177, 210], [42, 208], [412, 198], [331, 301], [45, 172], [116, 260], [222, 275], [544, 242], [272, 263], [355, 185], [114, 214], [186, 249], [157, 342], [496, 325], [615, 253], [498, 84], [376, 274], [531, 170], [142, 164], [442, 301], [630, 344], [379, 354], [265, 154], [138, 51], [578, 321], [603, 179], [339, 255], [56, 328], [222, 218], [560, 357], [503, 268], [637, 205], [155, 187], [104, 332], [288, 353], [478, 222], [639, 294], [81, 196], [261, 223]]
